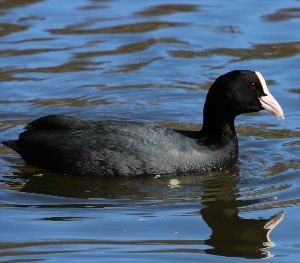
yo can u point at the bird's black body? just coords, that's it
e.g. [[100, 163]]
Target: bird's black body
[[67, 145], [116, 148]]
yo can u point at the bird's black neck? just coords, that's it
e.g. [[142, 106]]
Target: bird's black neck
[[218, 130], [218, 121]]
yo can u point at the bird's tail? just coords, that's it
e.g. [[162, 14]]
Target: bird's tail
[[11, 144]]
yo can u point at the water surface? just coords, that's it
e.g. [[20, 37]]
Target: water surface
[[149, 61]]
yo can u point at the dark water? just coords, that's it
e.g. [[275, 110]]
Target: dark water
[[150, 61]]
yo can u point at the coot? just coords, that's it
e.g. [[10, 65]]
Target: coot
[[122, 148]]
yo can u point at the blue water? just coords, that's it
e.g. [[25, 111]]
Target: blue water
[[150, 61]]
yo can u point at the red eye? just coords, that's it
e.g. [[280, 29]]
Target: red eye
[[253, 86]]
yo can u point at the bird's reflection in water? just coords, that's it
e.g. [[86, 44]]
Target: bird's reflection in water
[[233, 235]]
